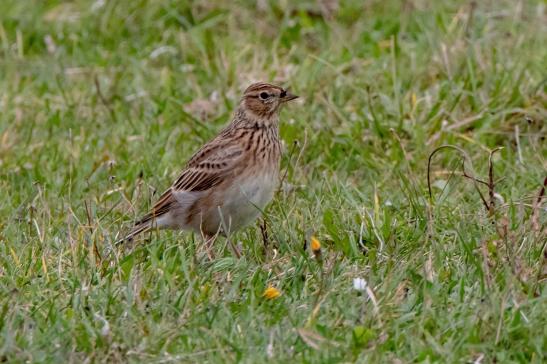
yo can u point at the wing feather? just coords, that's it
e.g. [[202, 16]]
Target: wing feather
[[205, 170]]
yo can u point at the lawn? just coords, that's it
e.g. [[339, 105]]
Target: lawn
[[102, 102]]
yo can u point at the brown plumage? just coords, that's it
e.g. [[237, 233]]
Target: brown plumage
[[229, 181]]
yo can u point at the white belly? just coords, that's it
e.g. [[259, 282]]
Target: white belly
[[246, 200]]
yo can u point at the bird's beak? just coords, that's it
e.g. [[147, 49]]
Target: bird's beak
[[287, 96]]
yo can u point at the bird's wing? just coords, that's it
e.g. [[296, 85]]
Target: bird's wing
[[206, 169]]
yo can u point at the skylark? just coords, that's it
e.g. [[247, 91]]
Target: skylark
[[228, 182]]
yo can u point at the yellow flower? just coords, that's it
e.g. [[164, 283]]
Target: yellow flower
[[315, 245], [271, 293]]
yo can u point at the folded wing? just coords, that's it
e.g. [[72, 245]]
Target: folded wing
[[209, 167]]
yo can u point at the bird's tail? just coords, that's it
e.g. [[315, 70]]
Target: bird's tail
[[155, 219], [138, 228]]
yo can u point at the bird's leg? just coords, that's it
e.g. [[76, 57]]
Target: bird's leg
[[209, 240], [224, 229], [234, 248]]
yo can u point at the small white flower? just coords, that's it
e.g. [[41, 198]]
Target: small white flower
[[499, 198], [359, 284]]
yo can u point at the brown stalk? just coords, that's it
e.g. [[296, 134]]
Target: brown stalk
[[466, 158]]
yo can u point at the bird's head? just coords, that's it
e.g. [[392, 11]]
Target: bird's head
[[264, 99]]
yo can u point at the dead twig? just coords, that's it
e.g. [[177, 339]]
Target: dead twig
[[470, 176]]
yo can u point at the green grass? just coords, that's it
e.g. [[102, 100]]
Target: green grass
[[102, 102]]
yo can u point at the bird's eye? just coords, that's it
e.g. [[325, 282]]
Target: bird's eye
[[264, 95]]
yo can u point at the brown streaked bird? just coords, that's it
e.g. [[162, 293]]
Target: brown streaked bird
[[228, 182]]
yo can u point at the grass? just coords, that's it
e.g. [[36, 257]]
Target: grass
[[102, 101]]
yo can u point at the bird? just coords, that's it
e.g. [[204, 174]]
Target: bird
[[229, 181]]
